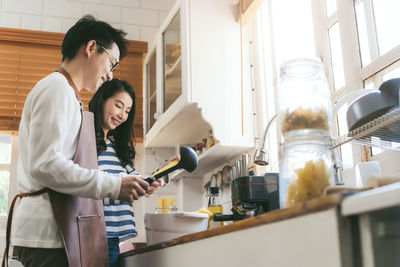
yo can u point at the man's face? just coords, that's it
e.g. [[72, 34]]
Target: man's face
[[101, 66]]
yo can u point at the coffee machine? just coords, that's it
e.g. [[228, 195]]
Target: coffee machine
[[252, 195]]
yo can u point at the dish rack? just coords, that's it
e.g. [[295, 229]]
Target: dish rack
[[383, 132]]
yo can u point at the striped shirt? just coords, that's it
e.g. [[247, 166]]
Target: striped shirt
[[118, 215]]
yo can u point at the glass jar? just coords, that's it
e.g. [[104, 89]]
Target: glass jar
[[306, 168], [304, 96]]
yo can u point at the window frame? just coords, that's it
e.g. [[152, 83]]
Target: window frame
[[265, 88], [355, 73], [12, 168]]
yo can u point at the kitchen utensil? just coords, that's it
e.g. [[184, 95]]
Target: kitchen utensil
[[213, 180], [188, 161], [233, 173], [226, 175], [373, 104], [238, 169], [219, 179], [244, 165], [364, 170], [163, 227]]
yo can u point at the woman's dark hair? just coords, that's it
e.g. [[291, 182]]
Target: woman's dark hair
[[123, 135], [87, 29]]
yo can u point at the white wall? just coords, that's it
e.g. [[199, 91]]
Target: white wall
[[139, 18]]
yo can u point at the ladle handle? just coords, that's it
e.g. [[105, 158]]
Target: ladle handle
[[150, 180]]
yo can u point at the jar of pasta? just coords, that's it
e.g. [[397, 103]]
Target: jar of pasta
[[306, 168], [304, 97]]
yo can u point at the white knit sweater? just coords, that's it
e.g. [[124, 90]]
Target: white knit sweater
[[47, 140]]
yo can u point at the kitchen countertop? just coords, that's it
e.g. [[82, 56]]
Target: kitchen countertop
[[374, 199], [308, 207]]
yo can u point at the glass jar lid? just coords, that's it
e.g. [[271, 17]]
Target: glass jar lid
[[302, 67]]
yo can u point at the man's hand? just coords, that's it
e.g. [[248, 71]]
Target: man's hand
[[133, 187]]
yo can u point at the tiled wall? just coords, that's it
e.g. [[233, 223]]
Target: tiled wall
[[139, 18]]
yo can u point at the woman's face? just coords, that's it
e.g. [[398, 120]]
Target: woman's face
[[116, 110]]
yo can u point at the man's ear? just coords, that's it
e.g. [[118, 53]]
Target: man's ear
[[90, 48]]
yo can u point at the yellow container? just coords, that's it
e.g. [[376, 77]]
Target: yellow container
[[215, 210]]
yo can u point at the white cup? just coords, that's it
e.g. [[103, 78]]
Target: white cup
[[363, 170]]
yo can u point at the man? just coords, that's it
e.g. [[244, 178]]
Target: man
[[48, 136]]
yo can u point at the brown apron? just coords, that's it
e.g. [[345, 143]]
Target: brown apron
[[79, 220]]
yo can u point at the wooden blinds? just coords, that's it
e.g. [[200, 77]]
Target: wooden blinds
[[28, 56], [22, 65]]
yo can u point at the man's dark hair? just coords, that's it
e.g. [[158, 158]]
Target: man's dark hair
[[87, 29], [123, 135]]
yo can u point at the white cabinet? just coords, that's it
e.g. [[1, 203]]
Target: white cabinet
[[378, 222], [200, 73], [306, 241]]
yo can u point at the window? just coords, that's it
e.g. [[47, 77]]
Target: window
[[336, 56], [280, 33], [370, 52], [5, 170], [357, 41], [377, 23]]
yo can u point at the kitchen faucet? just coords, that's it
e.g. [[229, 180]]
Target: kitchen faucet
[[261, 155]]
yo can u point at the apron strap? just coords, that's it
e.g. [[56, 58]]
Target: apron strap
[[9, 221], [44, 190], [71, 82]]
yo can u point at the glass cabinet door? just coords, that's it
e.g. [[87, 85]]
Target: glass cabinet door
[[172, 62], [151, 91]]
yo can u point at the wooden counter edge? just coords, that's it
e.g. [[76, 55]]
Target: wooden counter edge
[[304, 208]]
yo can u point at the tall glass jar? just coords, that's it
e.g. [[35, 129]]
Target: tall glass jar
[[304, 97], [306, 168]]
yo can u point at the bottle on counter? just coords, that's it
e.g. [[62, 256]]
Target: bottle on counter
[[304, 97], [214, 203], [166, 205], [306, 169], [214, 197], [305, 113]]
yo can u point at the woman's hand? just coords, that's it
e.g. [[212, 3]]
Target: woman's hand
[[157, 184], [160, 181]]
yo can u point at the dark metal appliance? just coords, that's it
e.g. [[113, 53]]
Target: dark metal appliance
[[251, 196]]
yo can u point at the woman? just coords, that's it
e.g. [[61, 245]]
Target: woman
[[113, 106]]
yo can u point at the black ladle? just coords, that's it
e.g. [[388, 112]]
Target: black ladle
[[187, 162]]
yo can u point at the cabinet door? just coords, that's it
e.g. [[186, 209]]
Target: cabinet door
[[172, 61], [151, 91]]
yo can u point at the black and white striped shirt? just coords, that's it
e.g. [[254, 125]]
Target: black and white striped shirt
[[118, 215]]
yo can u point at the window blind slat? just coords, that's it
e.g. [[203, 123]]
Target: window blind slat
[[23, 64]]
